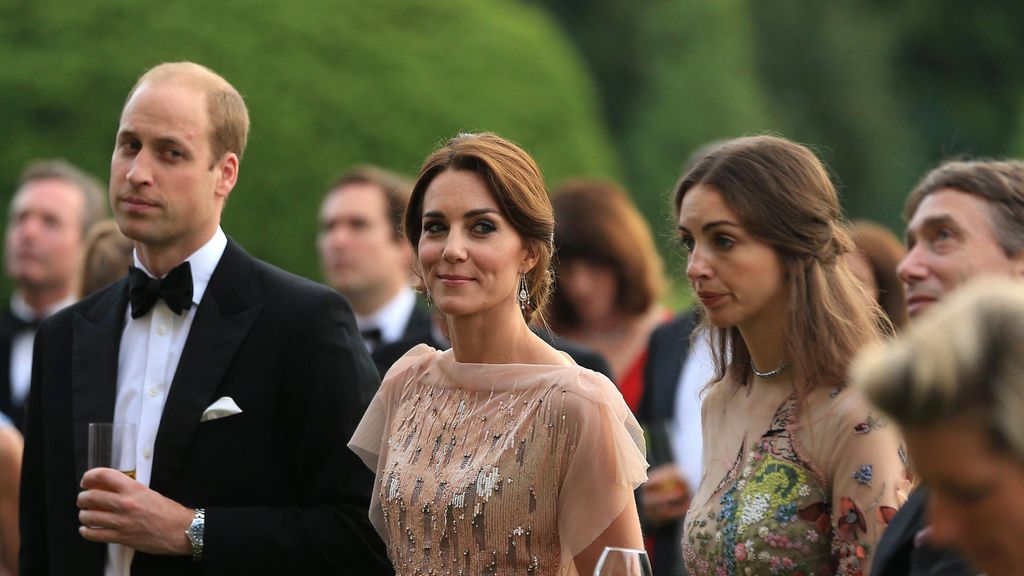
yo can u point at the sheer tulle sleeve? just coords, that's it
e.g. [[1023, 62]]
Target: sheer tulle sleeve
[[604, 466], [368, 441], [869, 481]]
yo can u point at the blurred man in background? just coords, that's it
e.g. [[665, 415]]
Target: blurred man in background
[[366, 257], [49, 215]]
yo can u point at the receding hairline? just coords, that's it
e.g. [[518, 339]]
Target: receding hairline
[[188, 73]]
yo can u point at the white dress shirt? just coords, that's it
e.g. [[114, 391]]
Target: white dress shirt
[[391, 318], [687, 439], [150, 349], [21, 347]]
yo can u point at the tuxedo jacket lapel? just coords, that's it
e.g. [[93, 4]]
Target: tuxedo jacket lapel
[[94, 355], [223, 319], [6, 341]]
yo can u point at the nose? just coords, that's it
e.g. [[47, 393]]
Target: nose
[[697, 266], [140, 173], [338, 237], [912, 268], [26, 228], [454, 248], [943, 522]]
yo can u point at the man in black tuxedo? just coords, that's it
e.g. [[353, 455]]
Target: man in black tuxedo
[[49, 215], [365, 256], [245, 382], [965, 219]]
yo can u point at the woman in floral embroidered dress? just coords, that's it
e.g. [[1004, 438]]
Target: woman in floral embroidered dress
[[800, 476], [501, 455]]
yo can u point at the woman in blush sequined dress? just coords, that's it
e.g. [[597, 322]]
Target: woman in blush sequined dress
[[500, 455], [801, 477]]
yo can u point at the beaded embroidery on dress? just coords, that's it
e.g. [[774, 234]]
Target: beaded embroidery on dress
[[495, 469]]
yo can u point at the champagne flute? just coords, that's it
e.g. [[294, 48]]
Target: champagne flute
[[623, 562], [112, 445]]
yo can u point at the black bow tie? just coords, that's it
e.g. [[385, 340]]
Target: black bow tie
[[21, 325], [372, 337], [175, 289]]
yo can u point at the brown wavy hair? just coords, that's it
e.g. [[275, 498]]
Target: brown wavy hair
[[883, 252], [783, 196], [596, 222], [518, 187]]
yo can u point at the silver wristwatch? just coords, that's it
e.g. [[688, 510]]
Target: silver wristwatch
[[194, 533]]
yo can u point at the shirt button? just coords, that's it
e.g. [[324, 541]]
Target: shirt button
[[147, 453], [153, 392], [161, 330]]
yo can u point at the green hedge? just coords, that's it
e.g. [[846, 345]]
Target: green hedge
[[329, 84]]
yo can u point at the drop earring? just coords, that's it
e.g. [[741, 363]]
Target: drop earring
[[524, 294]]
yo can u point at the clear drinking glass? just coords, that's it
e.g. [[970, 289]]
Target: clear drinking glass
[[623, 562], [112, 445]]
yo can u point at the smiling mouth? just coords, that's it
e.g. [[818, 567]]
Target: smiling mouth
[[453, 280]]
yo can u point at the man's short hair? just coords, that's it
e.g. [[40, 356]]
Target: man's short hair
[[94, 205], [225, 107], [999, 183], [396, 189]]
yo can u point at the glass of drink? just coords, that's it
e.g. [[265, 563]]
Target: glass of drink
[[623, 562], [112, 445]]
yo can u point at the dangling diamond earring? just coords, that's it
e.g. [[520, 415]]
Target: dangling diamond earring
[[524, 294]]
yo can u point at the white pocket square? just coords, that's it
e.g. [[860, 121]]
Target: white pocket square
[[221, 408]]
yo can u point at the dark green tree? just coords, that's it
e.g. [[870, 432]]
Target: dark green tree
[[699, 86], [829, 70], [329, 83]]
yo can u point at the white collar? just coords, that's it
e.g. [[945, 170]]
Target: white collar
[[392, 317], [203, 262], [21, 309]]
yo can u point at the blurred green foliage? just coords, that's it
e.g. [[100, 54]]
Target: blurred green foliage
[[329, 83], [628, 90]]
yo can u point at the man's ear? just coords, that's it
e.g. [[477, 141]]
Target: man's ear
[[227, 174]]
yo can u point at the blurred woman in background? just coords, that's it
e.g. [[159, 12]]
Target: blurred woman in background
[[106, 256], [874, 261], [608, 278], [955, 386]]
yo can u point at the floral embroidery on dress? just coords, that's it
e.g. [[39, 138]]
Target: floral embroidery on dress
[[776, 516], [868, 425], [863, 474]]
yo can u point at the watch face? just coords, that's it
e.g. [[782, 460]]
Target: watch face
[[195, 532]]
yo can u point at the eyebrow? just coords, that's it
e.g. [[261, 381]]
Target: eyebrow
[[468, 214], [162, 141], [930, 223], [711, 225]]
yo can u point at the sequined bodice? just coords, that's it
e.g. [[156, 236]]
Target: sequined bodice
[[472, 478], [478, 469]]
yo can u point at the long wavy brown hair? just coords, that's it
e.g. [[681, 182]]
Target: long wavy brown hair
[[783, 196]]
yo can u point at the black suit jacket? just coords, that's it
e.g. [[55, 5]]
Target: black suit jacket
[[282, 492], [16, 413], [896, 554], [666, 354], [418, 330]]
